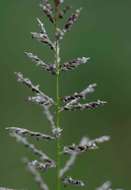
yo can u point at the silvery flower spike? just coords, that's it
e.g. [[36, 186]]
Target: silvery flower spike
[[52, 108]]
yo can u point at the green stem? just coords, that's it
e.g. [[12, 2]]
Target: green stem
[[57, 62], [58, 112]]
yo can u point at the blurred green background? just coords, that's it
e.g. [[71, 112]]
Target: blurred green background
[[103, 32]]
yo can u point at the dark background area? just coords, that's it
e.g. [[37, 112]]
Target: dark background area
[[103, 32]]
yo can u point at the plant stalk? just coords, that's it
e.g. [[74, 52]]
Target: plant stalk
[[57, 62], [58, 121]]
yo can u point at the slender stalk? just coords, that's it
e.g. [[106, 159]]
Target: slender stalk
[[57, 62], [58, 123]]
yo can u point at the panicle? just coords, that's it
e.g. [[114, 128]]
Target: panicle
[[71, 181], [26, 132], [35, 59], [71, 103], [47, 9]]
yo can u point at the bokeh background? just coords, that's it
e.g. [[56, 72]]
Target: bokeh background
[[103, 32]]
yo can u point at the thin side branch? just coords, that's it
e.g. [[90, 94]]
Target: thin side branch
[[35, 88], [26, 132], [107, 186], [74, 63], [51, 68], [74, 106], [37, 177], [79, 95], [48, 10], [72, 159], [91, 144], [41, 155]]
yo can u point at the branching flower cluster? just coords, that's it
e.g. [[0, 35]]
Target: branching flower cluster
[[67, 103]]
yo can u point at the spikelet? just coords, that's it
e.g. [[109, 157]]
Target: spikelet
[[38, 100], [74, 63], [71, 20], [81, 95], [51, 68], [40, 166], [92, 144], [26, 132], [48, 10], [43, 37], [71, 181], [74, 106], [67, 27], [35, 88]]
